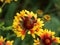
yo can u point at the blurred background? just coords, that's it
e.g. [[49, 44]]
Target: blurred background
[[8, 11]]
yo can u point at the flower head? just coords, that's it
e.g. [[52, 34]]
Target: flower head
[[47, 37], [26, 21], [9, 42], [40, 12], [47, 17], [1, 40]]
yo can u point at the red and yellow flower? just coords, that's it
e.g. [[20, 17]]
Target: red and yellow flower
[[1, 40], [26, 21], [47, 37], [9, 42]]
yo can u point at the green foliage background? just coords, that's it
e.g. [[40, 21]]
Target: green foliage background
[[51, 7]]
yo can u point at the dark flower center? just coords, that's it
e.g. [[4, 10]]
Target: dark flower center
[[47, 41], [28, 23]]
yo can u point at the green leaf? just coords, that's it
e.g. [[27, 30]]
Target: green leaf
[[1, 24], [10, 13]]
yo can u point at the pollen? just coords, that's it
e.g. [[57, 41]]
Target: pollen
[[47, 41]]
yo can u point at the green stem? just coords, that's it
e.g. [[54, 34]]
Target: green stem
[[3, 4], [10, 36], [6, 28]]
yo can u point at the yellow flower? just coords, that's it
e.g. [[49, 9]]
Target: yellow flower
[[47, 37], [26, 21], [47, 17], [40, 12], [1, 40], [9, 42], [36, 42]]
